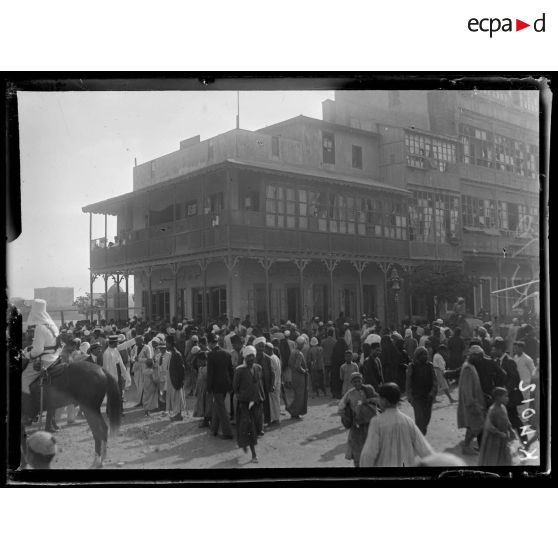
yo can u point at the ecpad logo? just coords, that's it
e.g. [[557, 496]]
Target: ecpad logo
[[493, 25]]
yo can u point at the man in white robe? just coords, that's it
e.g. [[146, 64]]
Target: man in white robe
[[44, 343], [275, 395], [140, 353]]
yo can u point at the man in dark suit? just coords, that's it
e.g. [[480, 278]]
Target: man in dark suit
[[509, 367], [219, 383], [372, 367]]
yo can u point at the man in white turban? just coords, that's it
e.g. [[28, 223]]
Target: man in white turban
[[44, 350], [249, 390], [44, 343]]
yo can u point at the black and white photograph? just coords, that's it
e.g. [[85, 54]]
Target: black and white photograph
[[268, 279]]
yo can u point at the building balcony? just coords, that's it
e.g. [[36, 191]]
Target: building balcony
[[435, 251], [494, 177], [480, 242], [245, 231]]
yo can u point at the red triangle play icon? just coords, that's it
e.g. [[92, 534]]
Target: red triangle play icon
[[519, 25]]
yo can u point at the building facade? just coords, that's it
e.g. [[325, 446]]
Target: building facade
[[313, 217]]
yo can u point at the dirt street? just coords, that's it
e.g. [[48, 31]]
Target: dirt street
[[154, 442]]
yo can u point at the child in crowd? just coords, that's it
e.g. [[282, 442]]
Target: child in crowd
[[497, 433]]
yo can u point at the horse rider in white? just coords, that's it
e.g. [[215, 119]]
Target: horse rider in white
[[44, 346]]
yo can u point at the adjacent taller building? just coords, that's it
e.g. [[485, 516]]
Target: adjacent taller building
[[313, 217]]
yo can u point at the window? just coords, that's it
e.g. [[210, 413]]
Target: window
[[251, 200], [342, 214], [275, 146], [479, 213], [281, 207], [447, 217], [191, 208], [214, 204], [372, 209], [328, 146], [302, 209], [485, 149], [395, 220], [357, 157], [424, 152], [421, 226]]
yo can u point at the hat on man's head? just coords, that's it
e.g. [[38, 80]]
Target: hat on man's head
[[260, 340], [155, 341], [476, 350], [113, 338], [94, 345], [85, 346], [42, 443], [356, 375], [313, 341], [121, 338], [287, 333]]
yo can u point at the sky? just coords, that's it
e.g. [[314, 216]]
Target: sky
[[77, 148]]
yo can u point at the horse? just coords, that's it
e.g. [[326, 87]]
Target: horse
[[84, 383]]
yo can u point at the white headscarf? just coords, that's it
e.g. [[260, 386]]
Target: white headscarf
[[259, 340], [39, 315], [249, 350]]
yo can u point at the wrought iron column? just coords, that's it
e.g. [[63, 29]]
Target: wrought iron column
[[230, 264], [385, 267], [148, 306], [106, 276], [203, 263], [266, 263], [92, 278], [301, 264], [331, 265], [126, 277], [359, 266]]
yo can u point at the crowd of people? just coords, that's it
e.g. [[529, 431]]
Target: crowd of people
[[240, 375]]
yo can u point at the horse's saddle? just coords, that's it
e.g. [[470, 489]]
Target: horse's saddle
[[52, 371]]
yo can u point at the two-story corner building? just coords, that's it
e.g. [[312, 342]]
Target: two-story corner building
[[316, 217], [287, 222], [470, 160]]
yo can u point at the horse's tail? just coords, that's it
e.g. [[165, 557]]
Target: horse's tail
[[113, 403]]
